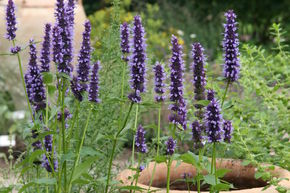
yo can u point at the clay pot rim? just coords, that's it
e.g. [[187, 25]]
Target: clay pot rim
[[278, 172]]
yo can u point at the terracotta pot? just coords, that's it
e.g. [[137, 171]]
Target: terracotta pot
[[241, 176]]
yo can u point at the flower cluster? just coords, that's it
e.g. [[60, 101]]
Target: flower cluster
[[159, 82], [140, 140], [213, 122], [57, 45], [170, 146], [36, 144], [137, 61], [34, 82], [231, 47], [179, 113], [228, 129], [197, 134], [45, 51], [15, 50], [75, 88], [46, 161], [10, 20], [210, 94], [84, 58], [124, 35], [94, 84]]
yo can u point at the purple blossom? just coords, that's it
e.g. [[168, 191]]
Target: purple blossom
[[197, 135], [228, 130], [231, 47], [141, 168], [69, 7], [48, 147], [159, 82], [210, 94], [179, 113], [10, 21], [67, 116], [170, 146], [199, 79], [34, 81], [57, 45], [36, 144], [124, 35], [45, 51], [84, 58], [76, 88], [140, 140], [94, 84], [137, 61], [15, 50], [213, 121]]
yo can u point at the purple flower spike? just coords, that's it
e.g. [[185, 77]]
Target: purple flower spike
[[15, 50], [137, 61], [159, 82], [197, 135], [170, 146], [213, 121], [124, 35], [10, 20], [210, 94], [84, 58], [94, 84], [179, 113], [231, 47], [140, 140], [228, 130], [37, 144], [76, 88], [45, 51], [48, 148], [199, 79], [70, 6], [34, 81], [57, 45]]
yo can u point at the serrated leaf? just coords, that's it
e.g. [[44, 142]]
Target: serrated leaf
[[222, 172], [160, 159], [83, 167], [189, 158], [202, 102], [210, 179], [222, 186]]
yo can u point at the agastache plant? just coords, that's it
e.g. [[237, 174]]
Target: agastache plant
[[45, 51], [15, 50], [210, 94], [84, 58], [94, 84], [228, 130], [197, 137], [48, 159], [124, 36], [138, 61], [57, 45], [170, 149], [231, 48], [140, 140], [179, 111], [10, 21], [160, 77]]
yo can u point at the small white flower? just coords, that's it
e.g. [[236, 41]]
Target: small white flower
[[192, 36]]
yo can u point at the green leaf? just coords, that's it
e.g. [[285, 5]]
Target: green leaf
[[47, 77], [222, 172], [160, 159], [202, 102], [246, 162], [35, 154], [190, 158], [51, 89], [45, 181], [23, 188], [222, 186], [132, 188], [210, 179], [83, 167]]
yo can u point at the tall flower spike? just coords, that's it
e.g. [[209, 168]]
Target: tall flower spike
[[84, 58], [124, 36], [199, 79], [197, 135], [45, 51], [57, 45], [36, 144], [179, 112], [10, 21], [75, 88], [140, 140], [213, 122], [210, 94], [70, 6], [159, 82], [48, 147], [137, 61], [228, 130], [170, 146], [231, 48], [34, 80], [94, 84]]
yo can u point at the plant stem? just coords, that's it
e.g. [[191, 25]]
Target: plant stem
[[213, 162], [114, 148], [37, 174], [138, 170], [75, 114], [80, 147], [135, 128], [23, 82], [224, 97], [168, 175], [158, 142], [198, 171]]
